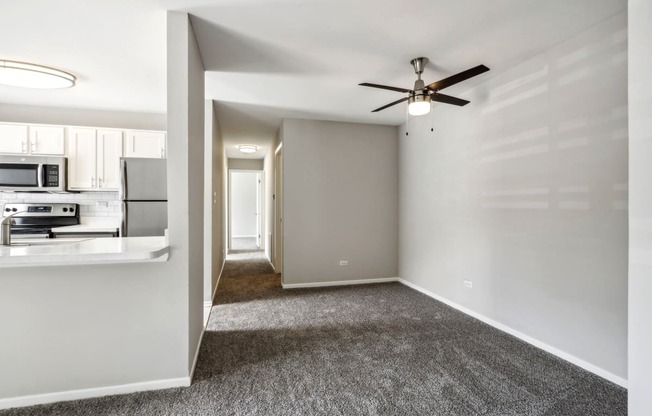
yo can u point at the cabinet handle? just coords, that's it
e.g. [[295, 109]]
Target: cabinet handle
[[99, 181], [24, 145], [162, 153], [92, 182], [133, 144], [34, 141]]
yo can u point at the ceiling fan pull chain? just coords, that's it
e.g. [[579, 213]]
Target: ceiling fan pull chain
[[432, 118], [407, 121]]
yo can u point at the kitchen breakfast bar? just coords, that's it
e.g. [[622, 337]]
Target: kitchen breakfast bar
[[80, 251]]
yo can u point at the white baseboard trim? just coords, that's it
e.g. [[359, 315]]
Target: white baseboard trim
[[244, 236], [532, 341], [339, 283], [64, 396], [194, 361]]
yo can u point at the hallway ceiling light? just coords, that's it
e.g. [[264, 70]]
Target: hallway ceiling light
[[247, 148], [26, 75]]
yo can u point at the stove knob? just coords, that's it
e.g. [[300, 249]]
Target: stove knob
[[72, 209], [8, 209], [14, 209], [65, 210]]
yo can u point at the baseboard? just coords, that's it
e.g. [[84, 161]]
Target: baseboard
[[64, 396], [523, 337], [339, 283], [194, 361], [244, 236]]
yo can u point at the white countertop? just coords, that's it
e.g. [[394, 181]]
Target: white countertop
[[91, 225], [72, 251]]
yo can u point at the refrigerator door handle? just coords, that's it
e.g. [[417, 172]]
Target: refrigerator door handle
[[123, 180], [125, 216]]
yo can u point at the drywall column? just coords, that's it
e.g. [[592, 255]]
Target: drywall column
[[186, 162], [523, 193], [340, 189], [213, 249], [640, 208]]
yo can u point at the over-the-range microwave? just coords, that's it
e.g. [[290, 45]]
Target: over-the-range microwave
[[33, 173]]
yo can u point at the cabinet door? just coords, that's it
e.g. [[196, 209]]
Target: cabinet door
[[46, 140], [82, 158], [109, 152], [13, 138], [145, 144]]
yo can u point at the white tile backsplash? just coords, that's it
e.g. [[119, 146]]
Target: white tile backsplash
[[86, 200]]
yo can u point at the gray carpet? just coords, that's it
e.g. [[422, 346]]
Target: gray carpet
[[362, 350]]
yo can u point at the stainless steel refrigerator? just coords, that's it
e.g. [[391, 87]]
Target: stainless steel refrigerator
[[144, 194]]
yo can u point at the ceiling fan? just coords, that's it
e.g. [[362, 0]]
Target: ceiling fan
[[421, 95]]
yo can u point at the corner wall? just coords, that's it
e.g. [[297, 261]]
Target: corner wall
[[186, 159], [213, 241], [524, 193], [339, 177], [640, 208]]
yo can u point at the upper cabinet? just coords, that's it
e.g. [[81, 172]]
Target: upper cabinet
[[94, 159], [47, 140], [145, 144], [35, 140], [13, 138]]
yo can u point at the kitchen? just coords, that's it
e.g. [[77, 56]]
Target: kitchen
[[73, 184], [119, 319]]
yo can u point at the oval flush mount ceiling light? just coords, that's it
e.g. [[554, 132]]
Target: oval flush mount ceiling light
[[26, 75], [247, 148]]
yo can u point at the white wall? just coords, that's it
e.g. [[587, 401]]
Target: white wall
[[213, 241], [339, 201], [81, 117], [243, 204], [524, 193], [268, 168], [246, 164], [640, 207], [186, 159]]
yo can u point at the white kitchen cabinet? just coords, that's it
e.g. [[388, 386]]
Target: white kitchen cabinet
[[146, 144], [32, 139], [13, 138], [109, 152], [47, 140], [82, 162], [94, 159]]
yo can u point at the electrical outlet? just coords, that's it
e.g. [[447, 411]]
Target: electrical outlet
[[468, 284], [344, 262], [104, 204]]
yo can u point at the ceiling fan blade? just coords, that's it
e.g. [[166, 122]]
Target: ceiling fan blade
[[443, 98], [384, 87], [454, 79], [390, 104]]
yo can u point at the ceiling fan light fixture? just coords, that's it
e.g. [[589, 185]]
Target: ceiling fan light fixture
[[247, 148], [26, 75], [419, 104]]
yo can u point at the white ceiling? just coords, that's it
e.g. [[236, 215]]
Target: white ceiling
[[269, 59]]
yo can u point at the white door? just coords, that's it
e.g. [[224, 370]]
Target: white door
[[150, 144], [259, 210], [47, 140], [13, 138], [278, 212], [109, 152], [82, 163]]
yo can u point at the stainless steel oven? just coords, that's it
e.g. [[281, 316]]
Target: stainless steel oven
[[33, 174]]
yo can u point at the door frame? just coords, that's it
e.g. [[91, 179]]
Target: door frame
[[260, 220]]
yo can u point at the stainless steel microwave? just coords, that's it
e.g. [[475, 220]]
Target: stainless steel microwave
[[33, 173]]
